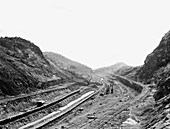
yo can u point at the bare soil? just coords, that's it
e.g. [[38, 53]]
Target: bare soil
[[106, 110]]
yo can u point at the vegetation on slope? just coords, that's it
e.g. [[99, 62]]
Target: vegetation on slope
[[67, 64]]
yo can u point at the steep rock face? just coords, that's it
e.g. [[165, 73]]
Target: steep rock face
[[157, 67], [157, 70], [157, 63], [22, 66]]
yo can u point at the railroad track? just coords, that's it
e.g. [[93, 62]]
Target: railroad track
[[35, 93], [60, 113], [125, 106], [13, 106], [24, 118], [138, 87], [54, 114]]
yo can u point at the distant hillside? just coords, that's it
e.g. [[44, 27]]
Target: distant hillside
[[110, 69], [67, 64], [119, 68], [128, 71], [106, 71]]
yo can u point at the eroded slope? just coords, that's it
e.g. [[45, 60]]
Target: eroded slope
[[23, 68]]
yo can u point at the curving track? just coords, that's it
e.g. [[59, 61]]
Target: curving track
[[56, 111]]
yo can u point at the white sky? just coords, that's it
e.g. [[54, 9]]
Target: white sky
[[96, 33]]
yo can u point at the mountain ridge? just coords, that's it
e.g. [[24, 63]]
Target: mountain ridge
[[61, 62]]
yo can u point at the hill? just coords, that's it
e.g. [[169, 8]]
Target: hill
[[67, 64], [156, 72], [156, 68], [23, 67], [118, 68], [110, 69]]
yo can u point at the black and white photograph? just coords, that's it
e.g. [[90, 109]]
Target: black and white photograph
[[84, 64]]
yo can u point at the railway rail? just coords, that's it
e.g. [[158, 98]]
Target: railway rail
[[35, 93], [126, 105], [16, 105], [61, 112], [5, 121]]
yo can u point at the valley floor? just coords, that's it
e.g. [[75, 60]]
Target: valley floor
[[116, 104], [109, 109]]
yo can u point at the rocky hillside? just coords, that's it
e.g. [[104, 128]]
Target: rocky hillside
[[156, 71], [156, 65], [23, 67], [68, 65], [156, 68]]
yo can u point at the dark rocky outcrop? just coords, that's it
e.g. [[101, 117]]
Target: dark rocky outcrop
[[23, 67], [156, 70], [157, 61]]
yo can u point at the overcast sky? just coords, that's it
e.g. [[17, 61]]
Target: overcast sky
[[96, 33]]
